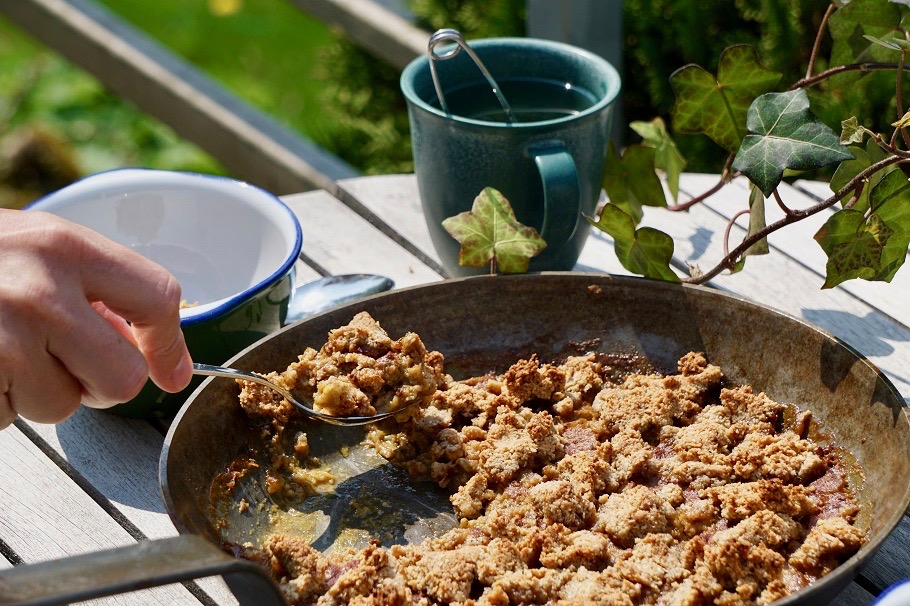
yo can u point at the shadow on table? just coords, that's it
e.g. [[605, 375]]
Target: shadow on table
[[876, 330], [117, 456]]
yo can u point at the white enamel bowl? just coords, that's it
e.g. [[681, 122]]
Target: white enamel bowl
[[231, 245]]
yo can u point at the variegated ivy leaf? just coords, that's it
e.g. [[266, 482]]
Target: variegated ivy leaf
[[863, 159], [490, 235], [854, 244], [851, 131], [862, 30], [785, 134], [869, 245], [666, 155], [630, 181], [718, 106], [645, 251]]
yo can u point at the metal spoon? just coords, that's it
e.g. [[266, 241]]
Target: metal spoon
[[330, 291], [233, 373]]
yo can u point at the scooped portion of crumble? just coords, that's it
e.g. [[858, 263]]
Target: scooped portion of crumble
[[578, 485], [360, 371]]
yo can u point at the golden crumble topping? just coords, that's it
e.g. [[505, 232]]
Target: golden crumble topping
[[574, 485]]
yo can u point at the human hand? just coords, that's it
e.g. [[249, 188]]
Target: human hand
[[82, 319]]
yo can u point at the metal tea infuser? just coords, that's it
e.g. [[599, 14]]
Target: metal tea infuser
[[449, 36]]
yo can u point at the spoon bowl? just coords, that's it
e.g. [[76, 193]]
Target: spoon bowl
[[232, 373]]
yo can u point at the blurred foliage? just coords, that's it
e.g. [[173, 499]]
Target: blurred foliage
[[315, 81], [362, 93], [267, 52], [57, 124], [664, 35]]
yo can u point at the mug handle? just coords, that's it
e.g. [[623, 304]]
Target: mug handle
[[561, 195]]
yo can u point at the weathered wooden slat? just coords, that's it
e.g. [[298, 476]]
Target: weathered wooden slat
[[45, 515], [797, 241], [343, 242], [246, 141], [118, 458], [378, 30], [853, 595]]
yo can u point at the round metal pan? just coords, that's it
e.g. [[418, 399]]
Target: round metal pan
[[486, 323]]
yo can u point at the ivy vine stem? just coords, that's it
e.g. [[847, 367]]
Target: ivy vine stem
[[818, 39], [729, 260], [725, 177], [841, 69]]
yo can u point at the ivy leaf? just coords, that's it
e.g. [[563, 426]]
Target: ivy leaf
[[863, 159], [859, 30], [873, 245], [854, 245], [903, 122], [851, 131], [890, 201], [756, 222], [631, 181], [785, 134], [667, 156], [490, 233], [718, 106], [645, 251]]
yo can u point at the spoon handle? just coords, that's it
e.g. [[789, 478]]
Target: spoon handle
[[230, 373]]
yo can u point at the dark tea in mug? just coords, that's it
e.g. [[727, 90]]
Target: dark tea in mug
[[530, 100]]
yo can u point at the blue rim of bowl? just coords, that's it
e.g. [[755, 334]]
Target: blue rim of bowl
[[889, 590], [228, 303]]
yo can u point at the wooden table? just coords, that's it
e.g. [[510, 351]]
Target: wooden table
[[91, 483]]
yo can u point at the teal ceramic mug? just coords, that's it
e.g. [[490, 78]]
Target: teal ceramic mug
[[231, 245], [548, 162]]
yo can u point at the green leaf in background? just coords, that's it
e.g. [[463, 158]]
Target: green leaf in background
[[645, 251], [851, 131], [873, 245], [666, 155], [490, 232], [854, 245], [757, 222], [853, 28], [785, 134], [890, 200], [631, 181], [718, 106], [863, 159]]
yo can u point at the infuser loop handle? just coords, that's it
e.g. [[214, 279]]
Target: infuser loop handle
[[450, 36]]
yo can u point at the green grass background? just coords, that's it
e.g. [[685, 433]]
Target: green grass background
[[54, 114]]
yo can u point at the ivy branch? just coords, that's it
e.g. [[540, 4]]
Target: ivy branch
[[769, 132]]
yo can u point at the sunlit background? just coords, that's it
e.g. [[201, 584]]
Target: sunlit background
[[58, 123]]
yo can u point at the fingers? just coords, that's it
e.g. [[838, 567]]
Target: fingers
[[106, 362], [7, 414], [81, 318], [148, 297], [37, 386]]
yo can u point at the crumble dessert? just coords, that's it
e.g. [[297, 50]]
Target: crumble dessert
[[574, 483]]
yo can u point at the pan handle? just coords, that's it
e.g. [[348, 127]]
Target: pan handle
[[140, 566]]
